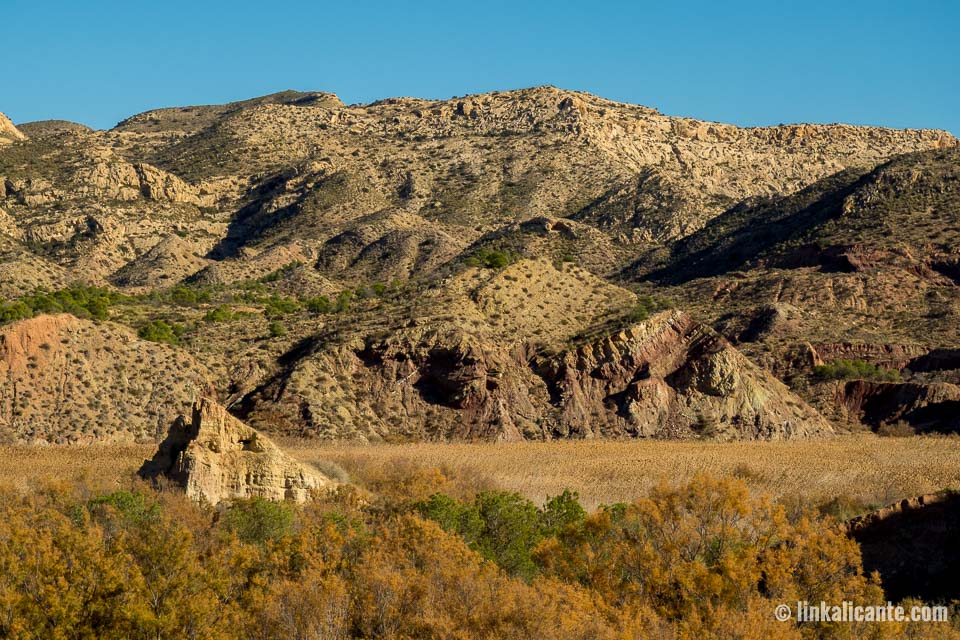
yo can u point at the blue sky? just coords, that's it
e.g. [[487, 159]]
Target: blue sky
[[895, 64]]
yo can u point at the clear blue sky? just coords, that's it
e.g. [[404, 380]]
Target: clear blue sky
[[886, 63]]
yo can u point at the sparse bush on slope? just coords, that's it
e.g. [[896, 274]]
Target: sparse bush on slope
[[220, 313], [161, 331], [491, 259], [855, 369]]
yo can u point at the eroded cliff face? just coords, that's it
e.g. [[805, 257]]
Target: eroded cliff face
[[673, 377], [433, 383], [668, 377], [933, 407], [216, 457], [109, 177], [912, 545]]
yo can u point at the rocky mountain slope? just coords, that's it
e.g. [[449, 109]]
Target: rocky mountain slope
[[666, 377], [862, 265], [491, 266]]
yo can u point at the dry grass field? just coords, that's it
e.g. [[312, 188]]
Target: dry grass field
[[863, 469], [101, 466]]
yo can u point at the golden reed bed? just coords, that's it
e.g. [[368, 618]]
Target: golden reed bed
[[861, 468]]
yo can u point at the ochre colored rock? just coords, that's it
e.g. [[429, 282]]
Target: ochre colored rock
[[216, 457], [8, 132]]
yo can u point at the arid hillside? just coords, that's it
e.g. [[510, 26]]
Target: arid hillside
[[65, 380], [862, 266], [530, 264]]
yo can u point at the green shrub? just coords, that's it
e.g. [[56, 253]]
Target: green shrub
[[133, 506], [277, 330], [12, 311], [363, 292], [855, 370], [161, 331], [561, 511], [343, 301], [491, 259], [258, 520], [323, 304], [454, 516], [79, 300], [645, 306], [504, 527], [278, 306], [185, 296], [221, 313], [320, 304]]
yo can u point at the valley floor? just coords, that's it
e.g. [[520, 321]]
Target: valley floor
[[860, 470]]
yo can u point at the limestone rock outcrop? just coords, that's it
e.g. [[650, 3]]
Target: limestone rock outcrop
[[216, 457], [8, 132], [156, 184], [109, 177]]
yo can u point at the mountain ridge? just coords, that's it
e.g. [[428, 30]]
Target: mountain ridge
[[276, 231]]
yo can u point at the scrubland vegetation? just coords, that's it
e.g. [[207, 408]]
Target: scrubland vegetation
[[491, 259], [153, 312], [855, 369], [421, 553], [844, 476], [79, 300], [460, 541]]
